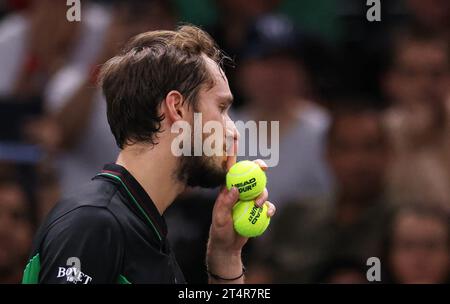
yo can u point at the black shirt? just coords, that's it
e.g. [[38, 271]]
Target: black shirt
[[107, 232]]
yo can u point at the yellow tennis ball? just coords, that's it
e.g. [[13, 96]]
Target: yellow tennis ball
[[248, 178], [250, 220]]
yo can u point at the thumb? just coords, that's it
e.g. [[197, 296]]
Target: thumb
[[227, 198], [233, 150]]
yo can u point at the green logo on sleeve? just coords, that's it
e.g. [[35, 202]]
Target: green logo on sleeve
[[31, 272]]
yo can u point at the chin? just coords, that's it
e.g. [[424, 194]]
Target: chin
[[205, 172]]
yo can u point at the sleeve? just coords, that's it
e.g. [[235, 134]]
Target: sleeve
[[85, 246]]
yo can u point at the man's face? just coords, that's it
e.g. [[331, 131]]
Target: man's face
[[420, 73], [15, 228], [357, 154], [420, 249], [213, 104]]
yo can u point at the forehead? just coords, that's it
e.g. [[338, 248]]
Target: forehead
[[367, 124], [408, 221], [220, 86]]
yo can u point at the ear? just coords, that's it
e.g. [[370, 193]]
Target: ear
[[173, 107]]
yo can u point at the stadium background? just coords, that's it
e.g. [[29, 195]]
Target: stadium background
[[364, 110]]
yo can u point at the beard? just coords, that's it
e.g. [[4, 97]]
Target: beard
[[200, 171]]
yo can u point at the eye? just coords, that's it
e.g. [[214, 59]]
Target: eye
[[223, 107]]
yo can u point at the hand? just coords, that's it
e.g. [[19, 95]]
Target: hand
[[223, 237], [225, 245]]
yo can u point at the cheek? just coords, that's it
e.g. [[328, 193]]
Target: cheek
[[401, 257], [215, 121], [214, 128], [402, 263], [209, 111]]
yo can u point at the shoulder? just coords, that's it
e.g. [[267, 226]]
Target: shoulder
[[85, 222], [314, 117], [95, 193], [89, 216], [12, 27], [88, 207]]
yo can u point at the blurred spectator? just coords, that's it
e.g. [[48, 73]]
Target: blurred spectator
[[342, 271], [7, 6], [417, 246], [432, 15], [417, 84], [38, 180], [321, 234], [47, 190], [76, 128], [8, 170], [277, 87], [230, 31], [363, 45], [37, 42], [234, 18], [418, 67], [308, 235], [16, 231]]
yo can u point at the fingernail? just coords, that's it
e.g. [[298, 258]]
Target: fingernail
[[270, 212], [259, 202], [234, 191]]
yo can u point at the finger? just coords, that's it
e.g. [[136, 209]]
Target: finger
[[271, 209], [259, 201], [232, 138], [232, 154], [227, 198], [261, 163], [224, 206]]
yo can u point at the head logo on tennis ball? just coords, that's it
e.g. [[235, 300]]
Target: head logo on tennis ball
[[250, 220], [248, 178]]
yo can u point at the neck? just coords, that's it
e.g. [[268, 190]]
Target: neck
[[154, 169]]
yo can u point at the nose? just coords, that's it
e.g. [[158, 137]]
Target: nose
[[231, 130], [232, 136]]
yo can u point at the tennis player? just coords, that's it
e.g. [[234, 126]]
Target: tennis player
[[112, 230]]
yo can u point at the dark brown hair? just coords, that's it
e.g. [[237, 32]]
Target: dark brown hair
[[429, 209], [136, 81]]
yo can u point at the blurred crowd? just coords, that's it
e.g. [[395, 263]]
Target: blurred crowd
[[364, 166]]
